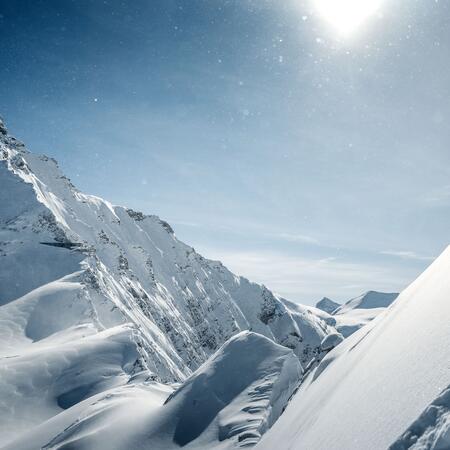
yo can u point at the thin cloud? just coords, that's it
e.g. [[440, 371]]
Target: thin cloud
[[438, 197], [297, 238], [407, 255], [307, 279]]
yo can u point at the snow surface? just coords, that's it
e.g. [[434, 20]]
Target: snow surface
[[370, 388], [431, 431], [103, 421], [228, 403]]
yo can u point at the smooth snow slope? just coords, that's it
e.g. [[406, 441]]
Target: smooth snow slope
[[104, 421], [366, 392], [228, 403]]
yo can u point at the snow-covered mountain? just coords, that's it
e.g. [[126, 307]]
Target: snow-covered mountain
[[368, 300], [327, 305], [359, 311], [355, 313], [387, 384], [95, 296], [114, 334]]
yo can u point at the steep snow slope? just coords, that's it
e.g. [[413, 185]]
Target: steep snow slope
[[368, 390], [327, 305], [228, 403]]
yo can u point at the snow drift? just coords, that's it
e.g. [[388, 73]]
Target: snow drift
[[229, 402]]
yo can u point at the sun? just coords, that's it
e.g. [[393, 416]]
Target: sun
[[347, 15]]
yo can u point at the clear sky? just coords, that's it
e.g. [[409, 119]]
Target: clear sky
[[306, 146]]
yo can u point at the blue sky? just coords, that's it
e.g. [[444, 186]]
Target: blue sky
[[313, 162]]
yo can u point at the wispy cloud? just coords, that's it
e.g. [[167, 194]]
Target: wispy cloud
[[302, 238], [437, 197], [185, 223], [407, 255], [307, 279]]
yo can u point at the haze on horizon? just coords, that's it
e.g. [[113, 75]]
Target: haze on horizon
[[306, 150]]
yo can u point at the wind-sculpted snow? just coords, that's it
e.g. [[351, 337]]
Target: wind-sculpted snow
[[238, 394], [56, 373], [73, 265], [103, 421], [431, 431], [228, 403], [367, 391]]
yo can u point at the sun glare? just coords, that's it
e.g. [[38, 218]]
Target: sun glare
[[347, 15]]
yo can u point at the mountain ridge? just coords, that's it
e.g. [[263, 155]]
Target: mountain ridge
[[109, 266]]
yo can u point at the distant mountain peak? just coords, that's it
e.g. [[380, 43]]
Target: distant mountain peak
[[368, 300], [327, 305]]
